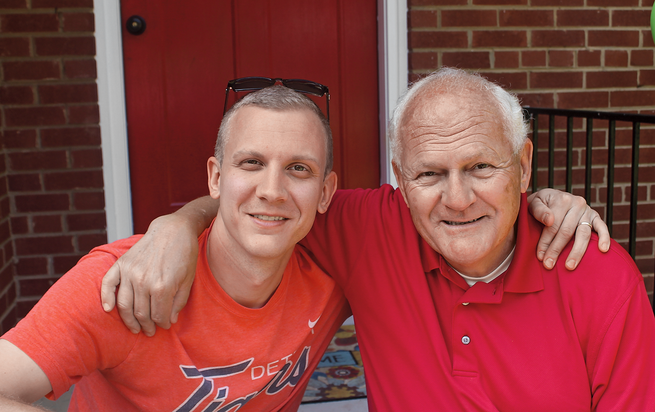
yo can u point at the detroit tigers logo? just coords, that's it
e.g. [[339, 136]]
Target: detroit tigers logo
[[210, 378]]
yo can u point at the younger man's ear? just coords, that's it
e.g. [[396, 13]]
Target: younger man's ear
[[213, 177], [327, 192]]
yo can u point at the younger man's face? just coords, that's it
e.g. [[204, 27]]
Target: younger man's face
[[271, 182]]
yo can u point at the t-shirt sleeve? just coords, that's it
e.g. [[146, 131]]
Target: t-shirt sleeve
[[355, 217], [67, 333], [621, 358]]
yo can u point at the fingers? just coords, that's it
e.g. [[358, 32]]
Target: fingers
[[125, 305], [603, 232], [142, 302], [161, 304], [108, 290], [540, 211]]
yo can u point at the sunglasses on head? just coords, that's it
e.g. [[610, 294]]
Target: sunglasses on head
[[245, 84]]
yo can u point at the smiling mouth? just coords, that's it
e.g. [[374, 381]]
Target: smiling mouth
[[269, 218], [448, 222]]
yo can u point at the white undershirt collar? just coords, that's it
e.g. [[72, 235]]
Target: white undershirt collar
[[491, 276]]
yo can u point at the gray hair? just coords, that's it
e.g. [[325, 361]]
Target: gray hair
[[451, 80], [277, 98]]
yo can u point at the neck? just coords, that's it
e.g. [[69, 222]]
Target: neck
[[249, 281], [484, 268]]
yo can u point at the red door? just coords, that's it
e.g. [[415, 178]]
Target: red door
[[177, 69]]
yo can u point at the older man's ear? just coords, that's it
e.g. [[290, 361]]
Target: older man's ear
[[526, 165]]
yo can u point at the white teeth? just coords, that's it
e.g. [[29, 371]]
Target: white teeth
[[264, 217], [462, 223]]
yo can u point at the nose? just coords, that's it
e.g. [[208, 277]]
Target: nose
[[272, 187], [457, 193]]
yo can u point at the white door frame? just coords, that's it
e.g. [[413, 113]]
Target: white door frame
[[393, 72]]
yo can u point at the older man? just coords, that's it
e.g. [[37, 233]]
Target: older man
[[260, 315], [454, 311]]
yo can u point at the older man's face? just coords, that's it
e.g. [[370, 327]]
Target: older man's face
[[461, 179]]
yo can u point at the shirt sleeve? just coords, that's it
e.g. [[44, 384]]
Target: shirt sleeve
[[338, 238], [67, 333], [622, 369]]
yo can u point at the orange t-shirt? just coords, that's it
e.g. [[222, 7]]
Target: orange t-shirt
[[219, 354]]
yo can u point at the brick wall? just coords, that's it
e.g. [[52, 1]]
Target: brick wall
[[51, 186], [570, 54]]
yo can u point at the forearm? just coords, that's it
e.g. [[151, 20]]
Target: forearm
[[199, 213]]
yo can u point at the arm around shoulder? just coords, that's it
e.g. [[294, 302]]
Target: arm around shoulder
[[21, 380]]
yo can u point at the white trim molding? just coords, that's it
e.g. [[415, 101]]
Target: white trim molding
[[113, 119]]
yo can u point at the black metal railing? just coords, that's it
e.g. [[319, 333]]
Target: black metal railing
[[534, 115]]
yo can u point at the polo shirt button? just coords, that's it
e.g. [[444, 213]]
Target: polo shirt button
[[466, 303], [466, 340]]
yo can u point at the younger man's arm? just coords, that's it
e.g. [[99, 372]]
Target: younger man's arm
[[21, 380]]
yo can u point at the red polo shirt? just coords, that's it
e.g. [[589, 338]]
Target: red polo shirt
[[531, 339]]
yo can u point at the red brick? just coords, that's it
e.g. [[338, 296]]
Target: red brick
[[87, 242], [76, 22], [41, 203], [43, 245], [422, 18], [61, 3], [32, 70], [418, 61], [500, 38], [69, 93], [583, 18], [467, 60], [641, 58], [630, 18], [647, 35], [558, 38], [20, 139], [587, 58], [632, 98], [583, 100], [500, 2], [506, 60], [19, 225], [564, 3], [84, 114], [510, 80], [437, 2], [440, 39], [14, 47], [610, 79], [537, 99], [73, 180], [616, 58], [14, 4], [647, 77], [80, 69], [610, 3], [25, 182], [63, 264], [561, 58], [16, 95], [21, 23], [71, 136], [529, 18], [613, 38], [35, 116], [535, 58], [559, 80], [38, 160], [89, 200], [23, 307], [86, 221], [35, 287], [87, 158], [468, 18], [47, 224], [61, 46]]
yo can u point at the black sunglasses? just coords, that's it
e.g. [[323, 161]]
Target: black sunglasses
[[257, 83]]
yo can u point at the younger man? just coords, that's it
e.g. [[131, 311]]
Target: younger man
[[260, 313]]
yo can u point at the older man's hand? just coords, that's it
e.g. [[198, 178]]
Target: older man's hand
[[564, 216]]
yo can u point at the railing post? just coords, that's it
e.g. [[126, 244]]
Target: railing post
[[569, 153], [634, 189], [588, 160], [610, 176]]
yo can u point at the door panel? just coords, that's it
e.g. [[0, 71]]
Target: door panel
[[176, 72]]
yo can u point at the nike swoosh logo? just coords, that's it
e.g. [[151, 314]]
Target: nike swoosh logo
[[312, 324]]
